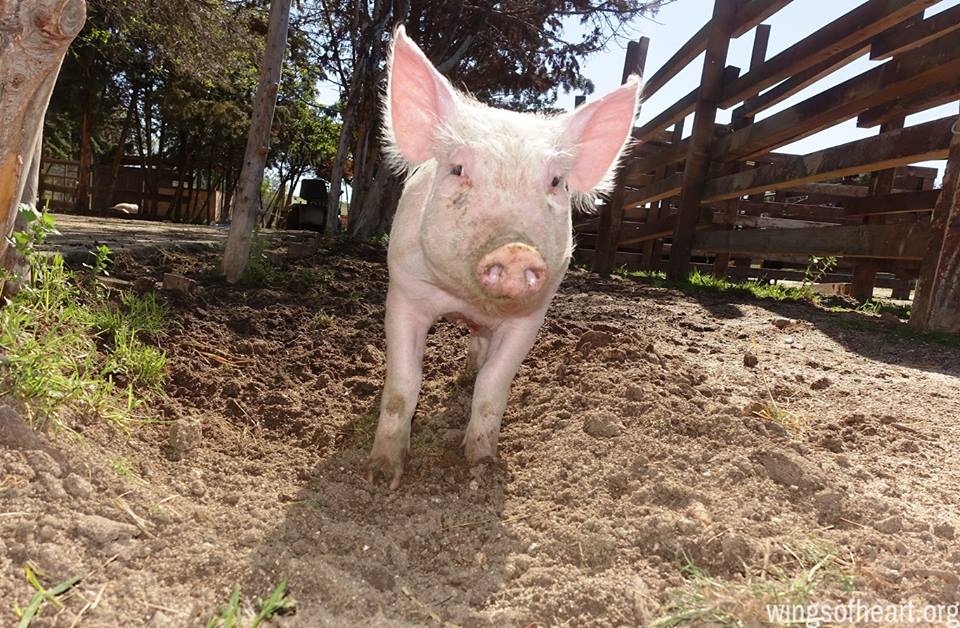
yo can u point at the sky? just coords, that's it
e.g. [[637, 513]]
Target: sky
[[677, 22]]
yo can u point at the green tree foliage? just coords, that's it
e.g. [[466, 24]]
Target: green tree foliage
[[172, 80], [512, 53]]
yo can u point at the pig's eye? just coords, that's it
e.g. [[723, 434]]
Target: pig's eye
[[456, 170], [556, 182]]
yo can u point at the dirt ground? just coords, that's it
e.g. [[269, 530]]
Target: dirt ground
[[649, 431]]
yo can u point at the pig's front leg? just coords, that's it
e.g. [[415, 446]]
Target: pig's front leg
[[406, 327], [508, 346]]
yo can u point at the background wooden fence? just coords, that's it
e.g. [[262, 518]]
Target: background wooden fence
[[722, 198], [184, 198]]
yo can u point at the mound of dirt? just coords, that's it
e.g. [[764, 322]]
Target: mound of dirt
[[636, 443]]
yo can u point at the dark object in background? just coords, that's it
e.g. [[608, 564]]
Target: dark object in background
[[312, 215]]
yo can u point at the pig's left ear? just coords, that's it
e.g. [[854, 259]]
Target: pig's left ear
[[418, 100], [598, 132]]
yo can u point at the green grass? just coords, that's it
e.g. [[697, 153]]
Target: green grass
[[321, 320], [259, 271], [122, 467], [705, 282], [277, 603], [791, 422], [42, 594], [64, 344], [812, 574]]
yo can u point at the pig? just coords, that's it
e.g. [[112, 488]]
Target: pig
[[482, 234]]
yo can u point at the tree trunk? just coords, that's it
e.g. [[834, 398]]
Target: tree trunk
[[15, 263], [118, 154], [258, 144], [34, 37], [86, 155]]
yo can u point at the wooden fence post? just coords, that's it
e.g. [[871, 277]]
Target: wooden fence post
[[936, 305], [761, 38], [611, 218], [881, 182], [694, 174]]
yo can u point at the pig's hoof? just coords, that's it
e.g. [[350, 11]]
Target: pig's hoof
[[389, 467], [480, 450]]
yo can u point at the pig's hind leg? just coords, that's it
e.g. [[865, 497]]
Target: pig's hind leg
[[508, 346], [406, 327]]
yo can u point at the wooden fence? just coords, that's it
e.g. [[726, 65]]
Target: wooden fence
[[177, 197], [722, 198]]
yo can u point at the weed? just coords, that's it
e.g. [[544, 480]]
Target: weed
[[382, 240], [321, 320], [259, 271], [122, 467], [791, 422], [704, 599], [229, 614], [101, 260], [42, 594], [817, 267], [277, 603], [50, 332], [139, 363]]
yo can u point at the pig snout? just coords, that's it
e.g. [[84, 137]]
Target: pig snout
[[512, 271]]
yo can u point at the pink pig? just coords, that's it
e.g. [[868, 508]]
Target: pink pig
[[483, 234]]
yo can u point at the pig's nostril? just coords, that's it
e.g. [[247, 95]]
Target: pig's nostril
[[532, 277], [493, 273]]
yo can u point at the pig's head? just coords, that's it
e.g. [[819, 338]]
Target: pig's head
[[496, 225]]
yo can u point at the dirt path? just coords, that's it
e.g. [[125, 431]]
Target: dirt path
[[645, 465]]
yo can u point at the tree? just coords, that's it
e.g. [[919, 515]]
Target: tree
[[245, 213], [34, 37], [513, 53]]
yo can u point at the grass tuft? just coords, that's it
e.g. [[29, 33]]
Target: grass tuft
[[277, 603], [812, 573], [65, 345]]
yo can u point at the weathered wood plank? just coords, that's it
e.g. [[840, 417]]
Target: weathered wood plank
[[671, 115], [680, 59], [823, 213], [799, 81], [859, 25], [661, 228], [900, 40], [932, 96], [611, 219], [769, 222], [922, 142], [753, 12], [936, 305], [937, 61], [882, 241], [664, 188], [841, 190], [900, 203]]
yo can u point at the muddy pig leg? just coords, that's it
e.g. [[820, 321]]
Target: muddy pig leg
[[406, 327], [508, 346]]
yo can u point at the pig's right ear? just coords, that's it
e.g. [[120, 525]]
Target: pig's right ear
[[418, 100]]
